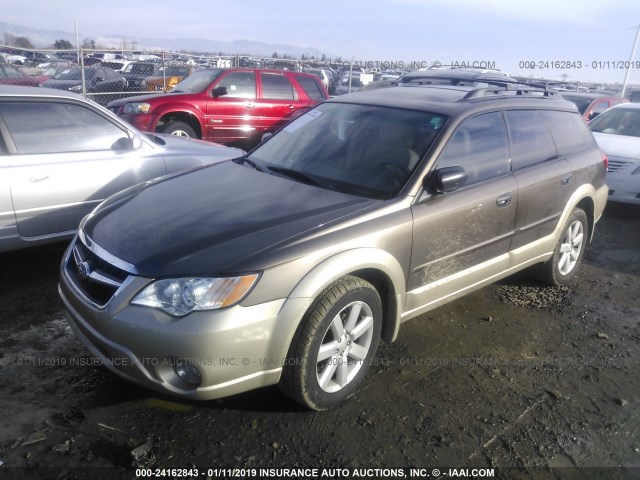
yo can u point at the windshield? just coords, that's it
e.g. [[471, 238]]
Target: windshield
[[356, 149], [619, 121], [197, 82], [139, 69], [174, 71]]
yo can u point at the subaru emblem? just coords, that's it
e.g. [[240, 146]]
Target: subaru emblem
[[84, 270]]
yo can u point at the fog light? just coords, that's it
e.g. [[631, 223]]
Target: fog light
[[187, 372]]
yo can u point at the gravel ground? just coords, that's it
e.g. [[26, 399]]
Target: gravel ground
[[533, 381]]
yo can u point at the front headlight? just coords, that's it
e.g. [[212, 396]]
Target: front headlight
[[180, 296], [137, 107]]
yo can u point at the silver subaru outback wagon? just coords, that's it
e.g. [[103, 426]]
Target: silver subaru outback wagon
[[288, 265]]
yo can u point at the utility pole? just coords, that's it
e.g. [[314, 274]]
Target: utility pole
[[633, 54], [77, 42]]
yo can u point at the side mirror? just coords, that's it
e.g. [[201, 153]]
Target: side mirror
[[123, 144], [266, 136], [220, 92], [447, 179]]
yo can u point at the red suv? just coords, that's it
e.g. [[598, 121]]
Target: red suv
[[225, 106]]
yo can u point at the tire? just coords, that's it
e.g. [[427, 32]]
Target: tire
[[179, 129], [334, 345], [562, 267]]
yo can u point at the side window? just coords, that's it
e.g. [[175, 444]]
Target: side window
[[277, 87], [61, 127], [570, 132], [311, 87], [531, 141], [239, 85], [479, 145]]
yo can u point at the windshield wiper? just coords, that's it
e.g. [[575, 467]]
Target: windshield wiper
[[289, 172]]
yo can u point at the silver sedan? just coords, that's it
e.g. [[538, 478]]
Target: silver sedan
[[61, 155]]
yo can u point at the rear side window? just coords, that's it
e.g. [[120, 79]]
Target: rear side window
[[531, 141], [60, 128], [479, 145], [277, 87], [570, 132], [311, 87]]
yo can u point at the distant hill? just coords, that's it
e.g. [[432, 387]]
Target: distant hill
[[45, 38]]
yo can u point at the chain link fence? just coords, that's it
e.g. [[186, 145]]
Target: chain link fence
[[106, 75]]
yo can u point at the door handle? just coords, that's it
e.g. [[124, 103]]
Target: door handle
[[250, 105], [291, 107], [504, 200], [565, 179], [41, 178]]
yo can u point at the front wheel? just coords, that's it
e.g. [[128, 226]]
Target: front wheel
[[333, 348], [179, 129], [563, 265]]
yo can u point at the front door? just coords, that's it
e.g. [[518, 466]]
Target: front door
[[462, 237], [233, 116]]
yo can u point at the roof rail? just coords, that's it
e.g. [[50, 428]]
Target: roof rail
[[517, 89]]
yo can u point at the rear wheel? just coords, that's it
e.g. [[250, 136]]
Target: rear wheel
[[563, 265], [179, 129], [333, 348]]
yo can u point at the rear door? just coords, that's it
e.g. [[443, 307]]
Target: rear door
[[65, 158], [279, 100], [545, 179]]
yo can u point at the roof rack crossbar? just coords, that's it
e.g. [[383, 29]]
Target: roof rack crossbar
[[519, 90]]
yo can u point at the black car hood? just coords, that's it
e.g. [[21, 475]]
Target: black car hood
[[212, 220]]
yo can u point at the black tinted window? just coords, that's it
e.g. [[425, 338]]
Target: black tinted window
[[311, 87], [570, 132], [277, 87], [479, 146], [531, 141]]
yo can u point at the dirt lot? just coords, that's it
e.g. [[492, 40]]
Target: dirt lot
[[518, 377]]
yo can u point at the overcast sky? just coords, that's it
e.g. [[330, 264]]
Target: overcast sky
[[501, 31]]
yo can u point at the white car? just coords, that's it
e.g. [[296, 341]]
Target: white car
[[617, 132], [16, 59]]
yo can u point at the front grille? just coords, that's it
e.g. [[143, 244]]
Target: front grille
[[96, 278]]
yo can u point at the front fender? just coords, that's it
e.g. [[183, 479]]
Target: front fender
[[366, 262]]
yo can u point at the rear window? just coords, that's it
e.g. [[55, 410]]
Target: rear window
[[581, 102], [311, 87], [570, 133]]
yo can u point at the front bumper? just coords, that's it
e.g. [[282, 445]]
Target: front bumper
[[235, 349]]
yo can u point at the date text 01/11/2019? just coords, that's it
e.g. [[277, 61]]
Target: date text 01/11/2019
[[578, 64]]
